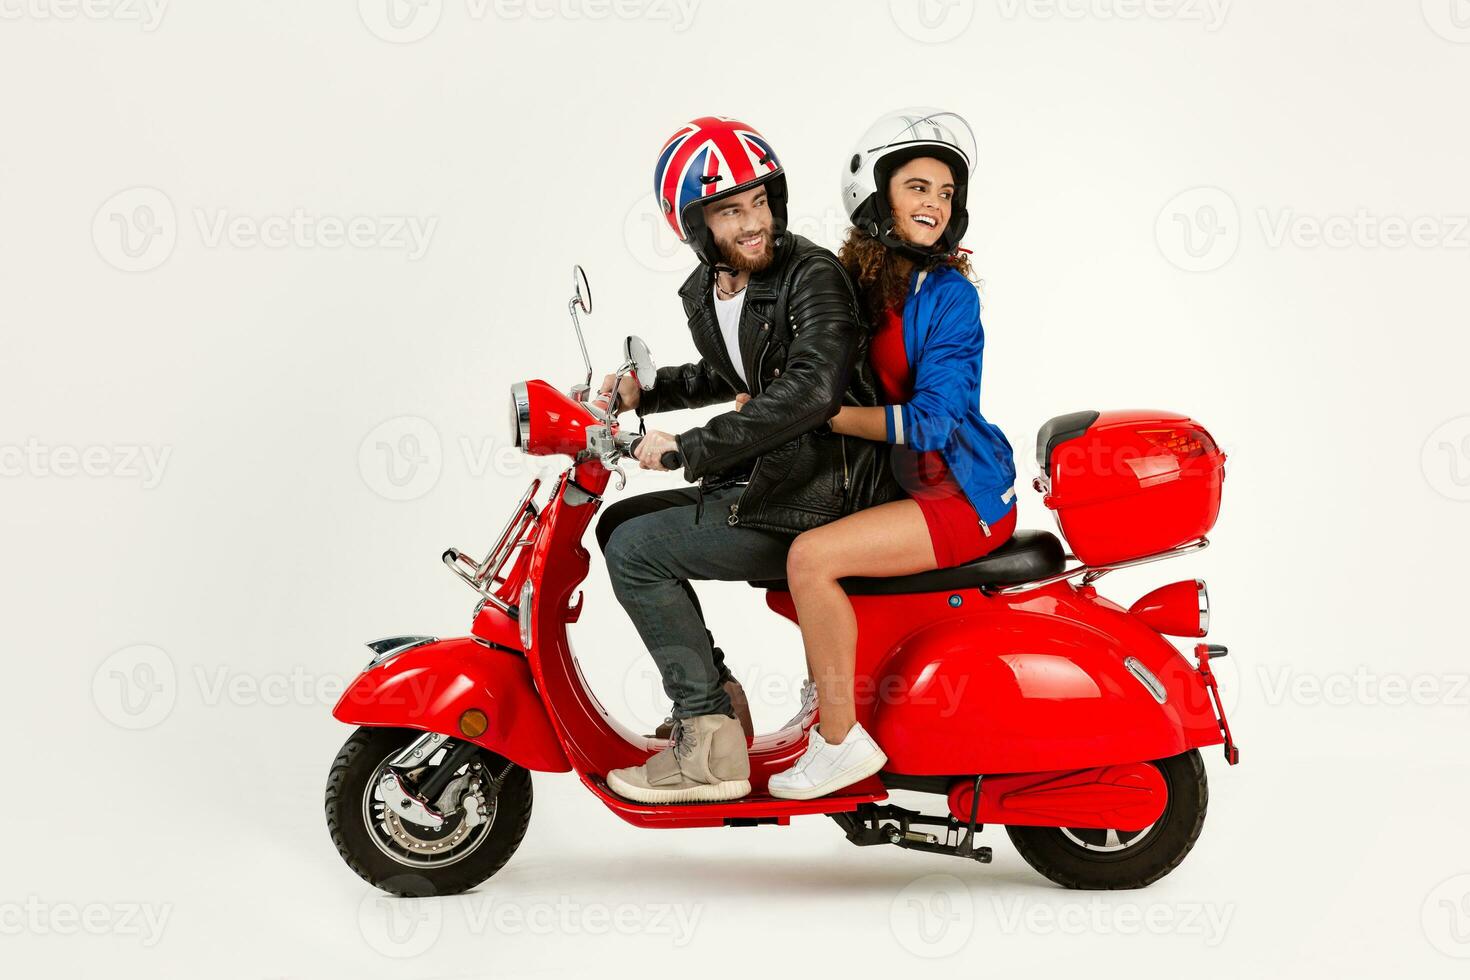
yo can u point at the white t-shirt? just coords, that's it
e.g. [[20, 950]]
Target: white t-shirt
[[728, 313]]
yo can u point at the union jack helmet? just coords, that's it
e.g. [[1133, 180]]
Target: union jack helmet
[[707, 159]]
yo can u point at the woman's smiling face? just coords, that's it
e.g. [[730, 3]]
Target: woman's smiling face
[[920, 196]]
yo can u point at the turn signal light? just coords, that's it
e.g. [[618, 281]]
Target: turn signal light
[[472, 723], [1176, 609]]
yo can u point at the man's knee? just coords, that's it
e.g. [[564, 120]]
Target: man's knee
[[618, 552], [613, 518]]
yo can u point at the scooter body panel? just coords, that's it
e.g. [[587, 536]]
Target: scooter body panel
[[431, 686], [966, 683]]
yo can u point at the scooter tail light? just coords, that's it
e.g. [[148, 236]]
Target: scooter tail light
[[1176, 609], [1184, 443]]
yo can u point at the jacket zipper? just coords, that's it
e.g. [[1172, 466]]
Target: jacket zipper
[[734, 519]]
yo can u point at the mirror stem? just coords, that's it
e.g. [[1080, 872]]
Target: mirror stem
[[577, 327]]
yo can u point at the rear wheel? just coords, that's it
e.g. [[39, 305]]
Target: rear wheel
[[1106, 859], [404, 858]]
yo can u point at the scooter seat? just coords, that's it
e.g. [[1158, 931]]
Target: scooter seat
[[1027, 556]]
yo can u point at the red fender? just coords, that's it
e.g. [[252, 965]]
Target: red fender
[[429, 687], [1007, 691]]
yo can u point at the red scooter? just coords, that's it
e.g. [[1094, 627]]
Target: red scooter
[[1008, 687]]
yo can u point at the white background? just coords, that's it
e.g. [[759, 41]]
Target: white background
[[1143, 216]]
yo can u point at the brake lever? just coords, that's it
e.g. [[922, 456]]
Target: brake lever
[[610, 463]]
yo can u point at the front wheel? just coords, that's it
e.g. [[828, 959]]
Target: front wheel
[[1087, 858], [404, 858]]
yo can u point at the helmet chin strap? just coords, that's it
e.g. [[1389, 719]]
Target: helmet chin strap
[[886, 236]]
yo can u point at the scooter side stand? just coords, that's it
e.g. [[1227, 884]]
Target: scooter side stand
[[866, 826]]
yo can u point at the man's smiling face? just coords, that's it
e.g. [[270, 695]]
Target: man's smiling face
[[743, 228]]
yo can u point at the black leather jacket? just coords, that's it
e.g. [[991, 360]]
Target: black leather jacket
[[806, 354]]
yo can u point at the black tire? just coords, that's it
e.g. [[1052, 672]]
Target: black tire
[[1089, 859], [365, 842]]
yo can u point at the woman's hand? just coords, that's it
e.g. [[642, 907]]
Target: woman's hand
[[865, 423]]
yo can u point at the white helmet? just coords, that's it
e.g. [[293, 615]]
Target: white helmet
[[892, 141]]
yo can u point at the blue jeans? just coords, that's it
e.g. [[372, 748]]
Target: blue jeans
[[652, 558]]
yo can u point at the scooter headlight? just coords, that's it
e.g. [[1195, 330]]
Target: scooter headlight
[[520, 416]]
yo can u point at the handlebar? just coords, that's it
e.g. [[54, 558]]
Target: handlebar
[[672, 459]]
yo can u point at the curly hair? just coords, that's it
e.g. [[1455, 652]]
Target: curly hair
[[880, 274]]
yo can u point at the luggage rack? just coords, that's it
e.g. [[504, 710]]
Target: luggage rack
[[484, 577], [1091, 573]]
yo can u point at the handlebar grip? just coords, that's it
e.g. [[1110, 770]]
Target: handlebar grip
[[672, 459]]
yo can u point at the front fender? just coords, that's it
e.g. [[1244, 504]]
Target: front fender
[[430, 686]]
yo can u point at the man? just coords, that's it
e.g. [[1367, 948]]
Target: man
[[776, 324]]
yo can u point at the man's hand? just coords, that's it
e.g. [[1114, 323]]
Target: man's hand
[[740, 400], [652, 448], [628, 392]]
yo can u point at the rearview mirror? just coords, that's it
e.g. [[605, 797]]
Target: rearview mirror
[[581, 291], [635, 352]]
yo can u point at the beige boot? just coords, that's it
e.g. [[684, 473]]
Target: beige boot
[[738, 703], [706, 761]]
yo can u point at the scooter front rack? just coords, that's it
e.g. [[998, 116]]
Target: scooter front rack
[[485, 576]]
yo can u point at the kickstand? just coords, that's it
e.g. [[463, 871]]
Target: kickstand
[[969, 840]]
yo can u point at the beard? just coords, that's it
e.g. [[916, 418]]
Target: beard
[[737, 258]]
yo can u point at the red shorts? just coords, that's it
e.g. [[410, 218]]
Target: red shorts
[[955, 531]]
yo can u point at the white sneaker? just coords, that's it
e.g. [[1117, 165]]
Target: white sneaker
[[825, 768]]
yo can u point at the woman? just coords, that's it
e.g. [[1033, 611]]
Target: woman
[[904, 188]]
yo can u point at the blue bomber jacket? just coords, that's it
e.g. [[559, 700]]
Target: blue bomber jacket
[[945, 343]]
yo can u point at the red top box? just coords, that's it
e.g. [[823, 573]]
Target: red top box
[[1126, 484]]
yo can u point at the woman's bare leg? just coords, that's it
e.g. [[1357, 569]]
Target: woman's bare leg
[[889, 539]]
